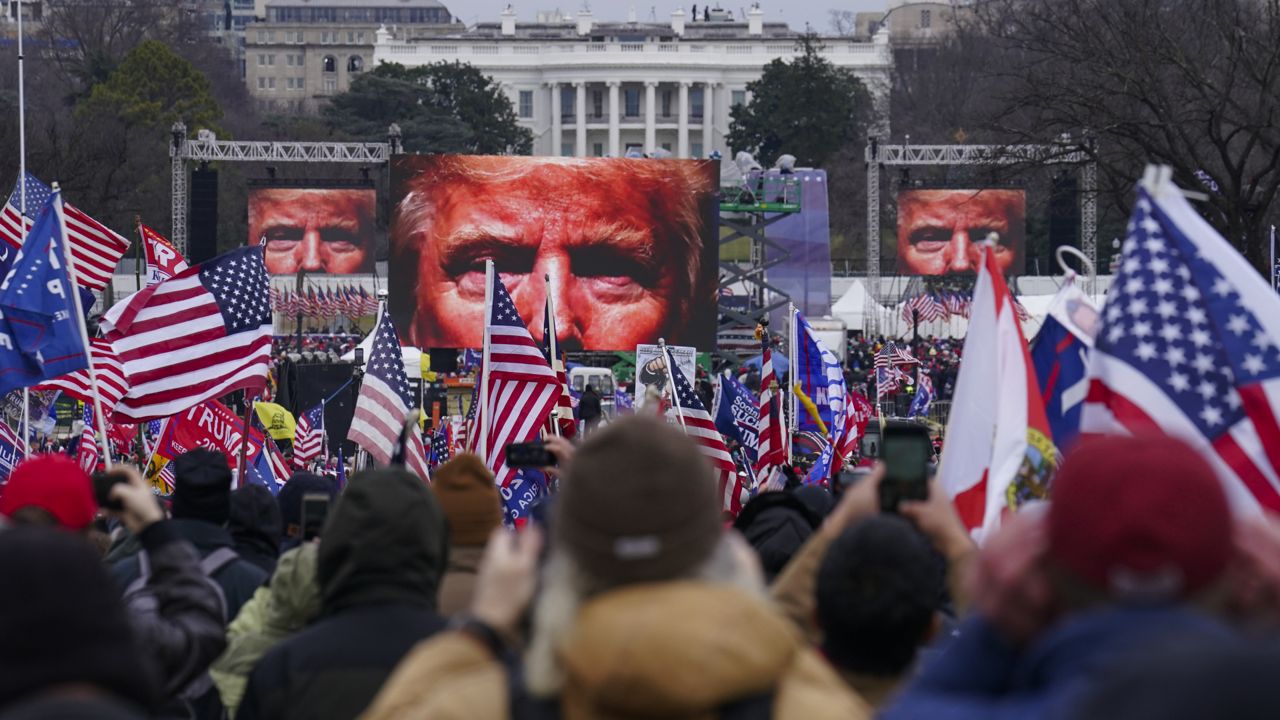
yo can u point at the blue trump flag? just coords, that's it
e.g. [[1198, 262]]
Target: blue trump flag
[[1060, 356], [39, 332], [259, 473], [821, 378], [737, 416], [519, 496]]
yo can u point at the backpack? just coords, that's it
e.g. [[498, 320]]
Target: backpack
[[138, 597]]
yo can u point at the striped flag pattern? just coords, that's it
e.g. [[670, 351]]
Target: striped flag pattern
[[385, 403], [111, 380], [699, 425], [772, 449], [308, 437], [87, 452], [96, 249], [521, 388], [163, 259], [196, 336]]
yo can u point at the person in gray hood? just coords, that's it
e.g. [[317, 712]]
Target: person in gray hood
[[382, 554]]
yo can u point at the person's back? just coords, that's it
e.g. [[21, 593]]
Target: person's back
[[381, 557], [646, 608], [1064, 597], [201, 509], [66, 648], [255, 526]]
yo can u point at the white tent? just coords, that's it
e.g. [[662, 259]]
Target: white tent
[[856, 305]]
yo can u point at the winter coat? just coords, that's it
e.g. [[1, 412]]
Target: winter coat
[[667, 650], [776, 524], [238, 580], [284, 607], [379, 567], [460, 579], [53, 707], [179, 620], [982, 677]]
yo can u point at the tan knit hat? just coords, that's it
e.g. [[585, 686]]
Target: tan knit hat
[[639, 504], [466, 491]]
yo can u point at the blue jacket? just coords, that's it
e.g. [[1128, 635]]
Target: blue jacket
[[982, 677]]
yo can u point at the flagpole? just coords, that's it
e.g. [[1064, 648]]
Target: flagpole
[[137, 254], [1273, 258], [22, 206], [244, 438], [74, 290], [792, 340], [667, 360], [324, 433], [484, 364], [550, 332]]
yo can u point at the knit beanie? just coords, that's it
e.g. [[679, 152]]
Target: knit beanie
[[639, 504], [202, 486], [1142, 518], [466, 491], [54, 483], [63, 622]]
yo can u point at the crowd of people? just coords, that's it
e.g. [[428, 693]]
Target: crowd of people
[[1135, 593]]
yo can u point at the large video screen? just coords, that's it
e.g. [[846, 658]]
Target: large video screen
[[319, 230], [940, 231], [629, 246]]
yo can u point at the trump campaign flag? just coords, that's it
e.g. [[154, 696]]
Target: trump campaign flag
[[1060, 354], [10, 450], [163, 259], [820, 376], [736, 415], [999, 451], [199, 335], [1190, 346], [40, 336]]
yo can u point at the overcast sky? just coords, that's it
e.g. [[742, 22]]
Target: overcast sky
[[793, 12]]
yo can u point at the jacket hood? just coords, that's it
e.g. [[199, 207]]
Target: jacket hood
[[295, 592], [386, 542], [679, 649], [255, 519]]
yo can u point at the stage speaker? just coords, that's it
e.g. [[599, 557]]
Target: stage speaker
[[1064, 215], [444, 360], [202, 234]]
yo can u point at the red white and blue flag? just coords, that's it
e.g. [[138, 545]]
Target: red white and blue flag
[[1189, 346], [699, 426], [95, 248], [112, 384], [385, 404], [87, 452], [194, 337], [521, 389], [163, 259], [308, 436]]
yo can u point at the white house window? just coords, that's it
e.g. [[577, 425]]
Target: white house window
[[330, 64], [926, 18], [526, 103]]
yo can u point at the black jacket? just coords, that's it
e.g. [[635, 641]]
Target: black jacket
[[776, 524], [238, 581], [255, 526], [381, 559]]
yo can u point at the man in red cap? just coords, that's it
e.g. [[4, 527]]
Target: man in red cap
[[49, 490], [1132, 550]]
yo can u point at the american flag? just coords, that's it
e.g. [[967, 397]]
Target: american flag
[[772, 451], [87, 454], [956, 303], [467, 438], [561, 421], [385, 403], [699, 425], [308, 436], [520, 389], [1188, 346], [275, 458], [111, 380], [196, 336], [95, 249], [894, 354]]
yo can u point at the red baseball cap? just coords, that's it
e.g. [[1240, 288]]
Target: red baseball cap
[[1142, 518], [54, 483]]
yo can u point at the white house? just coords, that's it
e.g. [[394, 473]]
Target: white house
[[587, 88]]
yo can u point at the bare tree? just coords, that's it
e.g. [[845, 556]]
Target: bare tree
[[1193, 84], [842, 22]]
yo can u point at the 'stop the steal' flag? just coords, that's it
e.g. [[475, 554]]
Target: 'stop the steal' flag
[[1189, 346], [1060, 354], [199, 335], [999, 451], [39, 333], [737, 417]]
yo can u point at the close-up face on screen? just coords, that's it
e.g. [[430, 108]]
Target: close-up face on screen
[[940, 232], [626, 248]]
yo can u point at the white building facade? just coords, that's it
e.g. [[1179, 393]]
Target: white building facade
[[605, 89]]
